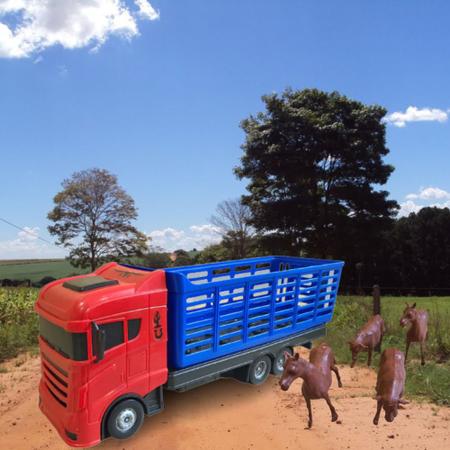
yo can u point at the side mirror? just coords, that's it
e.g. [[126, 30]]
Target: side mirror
[[98, 341]]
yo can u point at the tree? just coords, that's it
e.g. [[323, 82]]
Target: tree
[[420, 249], [232, 218], [313, 160], [155, 257], [92, 218], [181, 257], [157, 260], [213, 253]]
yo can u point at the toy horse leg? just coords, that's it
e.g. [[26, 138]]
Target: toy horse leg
[[407, 348], [377, 414], [336, 371], [334, 415], [308, 405], [421, 353], [369, 357]]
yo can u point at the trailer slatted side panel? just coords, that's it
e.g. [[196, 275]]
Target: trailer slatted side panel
[[223, 308]]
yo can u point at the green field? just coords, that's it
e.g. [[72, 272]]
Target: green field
[[35, 270], [430, 381]]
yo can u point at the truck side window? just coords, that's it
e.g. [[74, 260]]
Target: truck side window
[[133, 328], [113, 334]]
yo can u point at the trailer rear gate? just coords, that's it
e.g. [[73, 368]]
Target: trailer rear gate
[[223, 308]]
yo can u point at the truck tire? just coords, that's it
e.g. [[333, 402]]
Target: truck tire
[[259, 370], [125, 419], [278, 363]]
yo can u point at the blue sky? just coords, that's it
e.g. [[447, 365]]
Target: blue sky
[[154, 92]]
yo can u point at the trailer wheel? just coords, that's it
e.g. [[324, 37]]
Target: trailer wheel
[[259, 370], [125, 419], [278, 363]]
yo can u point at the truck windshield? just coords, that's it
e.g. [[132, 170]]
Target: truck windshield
[[70, 345]]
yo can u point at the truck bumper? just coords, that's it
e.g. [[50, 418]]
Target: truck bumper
[[73, 428]]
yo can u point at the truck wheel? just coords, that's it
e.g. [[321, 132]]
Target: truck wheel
[[259, 370], [125, 419], [278, 364]]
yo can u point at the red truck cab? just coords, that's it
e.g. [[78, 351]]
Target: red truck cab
[[103, 344]]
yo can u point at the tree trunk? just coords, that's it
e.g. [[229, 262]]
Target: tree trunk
[[93, 259]]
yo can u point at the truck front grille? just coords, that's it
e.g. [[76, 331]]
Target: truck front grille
[[56, 380]]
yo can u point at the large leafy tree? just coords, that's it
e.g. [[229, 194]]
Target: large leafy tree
[[93, 218], [314, 161]]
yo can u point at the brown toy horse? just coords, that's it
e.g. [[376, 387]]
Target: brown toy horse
[[316, 376], [418, 331], [367, 339], [390, 384]]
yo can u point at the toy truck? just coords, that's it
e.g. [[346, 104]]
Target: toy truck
[[112, 341]]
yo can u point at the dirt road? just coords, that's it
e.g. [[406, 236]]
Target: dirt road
[[230, 415]]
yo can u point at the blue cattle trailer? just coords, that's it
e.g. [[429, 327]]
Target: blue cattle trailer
[[237, 318]]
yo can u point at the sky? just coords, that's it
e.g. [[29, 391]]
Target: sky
[[154, 91]]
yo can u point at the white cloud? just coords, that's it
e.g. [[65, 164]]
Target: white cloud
[[28, 234], [430, 193], [146, 10], [197, 236], [414, 114], [408, 207], [27, 245], [205, 229], [30, 26], [426, 197]]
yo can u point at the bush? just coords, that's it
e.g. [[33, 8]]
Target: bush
[[46, 280], [18, 321]]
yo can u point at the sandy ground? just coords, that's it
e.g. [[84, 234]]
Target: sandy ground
[[231, 415]]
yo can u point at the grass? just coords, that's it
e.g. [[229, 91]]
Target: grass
[[35, 270], [428, 382]]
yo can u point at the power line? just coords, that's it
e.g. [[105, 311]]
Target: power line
[[26, 231]]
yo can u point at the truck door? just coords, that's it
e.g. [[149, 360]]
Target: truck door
[[137, 354], [108, 376]]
